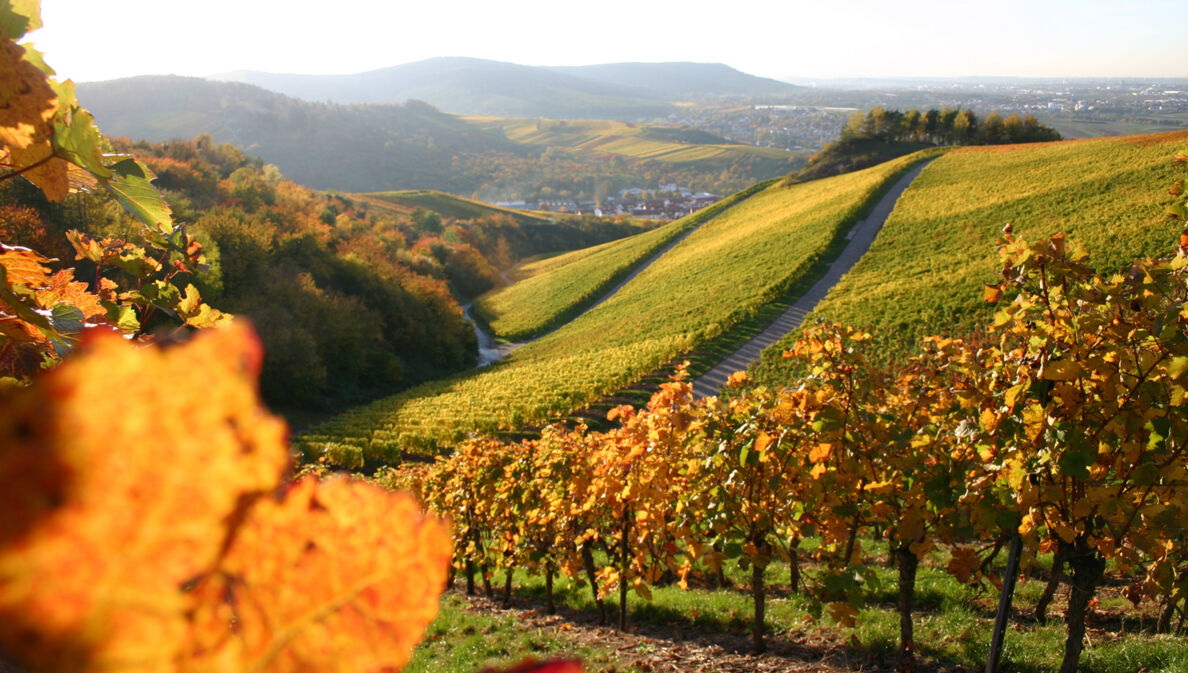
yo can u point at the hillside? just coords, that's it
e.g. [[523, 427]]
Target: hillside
[[351, 148], [719, 275], [685, 81], [447, 205], [626, 91], [369, 148], [925, 272]]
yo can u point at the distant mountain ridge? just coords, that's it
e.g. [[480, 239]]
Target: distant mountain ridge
[[382, 147], [622, 91], [347, 147]]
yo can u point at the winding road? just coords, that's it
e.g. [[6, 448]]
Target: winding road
[[861, 235]]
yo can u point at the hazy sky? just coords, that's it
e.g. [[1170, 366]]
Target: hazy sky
[[104, 39]]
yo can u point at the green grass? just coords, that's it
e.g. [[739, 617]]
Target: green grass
[[953, 622], [461, 640], [925, 272], [561, 287], [723, 273], [446, 205]]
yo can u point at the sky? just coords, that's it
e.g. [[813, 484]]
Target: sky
[[89, 40]]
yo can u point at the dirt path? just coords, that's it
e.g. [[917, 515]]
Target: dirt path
[[861, 235], [682, 648]]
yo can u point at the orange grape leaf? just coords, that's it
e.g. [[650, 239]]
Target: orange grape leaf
[[63, 288], [24, 267], [339, 575], [123, 478], [992, 293]]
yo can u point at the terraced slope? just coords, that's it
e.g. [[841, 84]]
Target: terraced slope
[[446, 205], [569, 283], [720, 274], [602, 137], [925, 272]]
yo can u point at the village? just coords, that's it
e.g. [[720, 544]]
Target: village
[[666, 202]]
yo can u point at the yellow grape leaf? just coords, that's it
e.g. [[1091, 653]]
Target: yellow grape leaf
[[1062, 370], [1012, 394], [123, 474], [1065, 531], [992, 293], [27, 103], [50, 174], [1035, 419], [761, 444], [195, 313], [340, 575]]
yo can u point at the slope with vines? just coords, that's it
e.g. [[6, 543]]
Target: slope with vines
[[925, 272], [720, 274]]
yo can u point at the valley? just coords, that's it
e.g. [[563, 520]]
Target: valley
[[638, 366]]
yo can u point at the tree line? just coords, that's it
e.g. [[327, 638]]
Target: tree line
[[944, 127]]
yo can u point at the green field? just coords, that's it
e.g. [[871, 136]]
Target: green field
[[558, 288], [925, 272], [721, 274], [446, 205]]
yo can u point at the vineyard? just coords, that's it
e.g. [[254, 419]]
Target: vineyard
[[719, 275], [881, 499], [1061, 428], [446, 205], [1106, 193], [559, 288], [601, 138]]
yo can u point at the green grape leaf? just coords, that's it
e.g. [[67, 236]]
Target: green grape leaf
[[80, 143], [18, 17], [136, 262], [37, 58], [122, 316], [68, 322], [131, 185], [1077, 456]]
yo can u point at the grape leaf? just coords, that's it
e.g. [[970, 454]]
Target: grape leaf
[[18, 17], [339, 575], [131, 185], [122, 485]]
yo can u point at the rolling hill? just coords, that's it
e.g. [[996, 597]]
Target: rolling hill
[[369, 148], [353, 148], [723, 272], [684, 80], [626, 91], [925, 272], [449, 206]]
